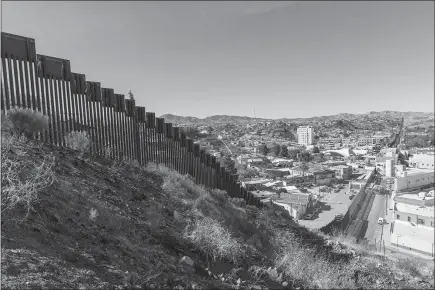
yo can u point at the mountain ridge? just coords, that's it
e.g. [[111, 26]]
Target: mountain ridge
[[241, 119]]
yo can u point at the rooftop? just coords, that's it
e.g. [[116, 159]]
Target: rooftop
[[427, 211], [257, 181], [415, 171], [415, 196]]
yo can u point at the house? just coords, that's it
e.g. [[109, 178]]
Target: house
[[279, 172], [342, 171], [282, 162], [253, 184], [295, 202]]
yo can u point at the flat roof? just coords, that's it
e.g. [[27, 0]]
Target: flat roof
[[414, 196], [427, 211], [257, 181], [415, 171]]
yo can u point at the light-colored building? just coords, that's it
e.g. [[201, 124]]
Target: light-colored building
[[413, 178], [329, 143], [424, 161], [389, 168], [294, 201], [342, 171], [305, 135], [413, 222]]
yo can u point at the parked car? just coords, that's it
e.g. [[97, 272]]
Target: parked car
[[352, 196], [336, 190], [382, 220]]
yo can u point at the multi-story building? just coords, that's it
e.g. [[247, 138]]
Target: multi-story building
[[305, 135], [422, 161], [413, 222], [413, 179]]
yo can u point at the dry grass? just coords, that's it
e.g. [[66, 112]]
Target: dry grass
[[307, 268], [78, 140], [24, 122], [214, 240], [21, 177]]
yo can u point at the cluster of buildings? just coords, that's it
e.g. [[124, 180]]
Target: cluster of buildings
[[287, 182], [306, 134]]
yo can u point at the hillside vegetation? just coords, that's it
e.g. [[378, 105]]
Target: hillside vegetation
[[73, 220]]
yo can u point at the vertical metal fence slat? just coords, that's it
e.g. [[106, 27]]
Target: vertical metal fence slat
[[24, 76], [61, 111], [11, 82], [17, 83], [29, 86], [6, 87]]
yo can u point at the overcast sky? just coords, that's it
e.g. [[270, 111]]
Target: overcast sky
[[285, 59]]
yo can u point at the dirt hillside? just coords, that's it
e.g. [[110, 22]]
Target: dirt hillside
[[103, 224]]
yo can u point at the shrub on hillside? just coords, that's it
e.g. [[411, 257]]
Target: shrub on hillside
[[24, 122], [78, 140], [209, 236], [22, 178]]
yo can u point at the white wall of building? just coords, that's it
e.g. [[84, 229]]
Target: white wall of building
[[415, 180], [422, 161]]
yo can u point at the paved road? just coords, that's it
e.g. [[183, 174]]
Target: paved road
[[333, 203], [374, 229]]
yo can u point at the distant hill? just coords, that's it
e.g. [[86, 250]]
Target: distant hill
[[424, 119], [179, 119]]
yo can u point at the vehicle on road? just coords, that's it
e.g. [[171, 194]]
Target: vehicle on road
[[352, 196], [382, 221], [338, 216], [336, 190]]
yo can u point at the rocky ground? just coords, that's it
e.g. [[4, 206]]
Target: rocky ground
[[104, 224]]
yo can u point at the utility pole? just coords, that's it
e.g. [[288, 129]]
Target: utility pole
[[384, 248]]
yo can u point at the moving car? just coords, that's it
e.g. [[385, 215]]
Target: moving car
[[352, 196], [382, 220]]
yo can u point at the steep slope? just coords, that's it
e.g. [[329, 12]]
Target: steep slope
[[103, 224]]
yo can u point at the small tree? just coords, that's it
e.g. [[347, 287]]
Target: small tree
[[316, 149], [263, 149], [293, 153], [284, 151], [275, 149], [229, 164]]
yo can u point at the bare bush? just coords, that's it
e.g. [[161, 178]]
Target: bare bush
[[93, 214], [78, 140], [22, 179], [25, 122], [214, 240], [303, 265]]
